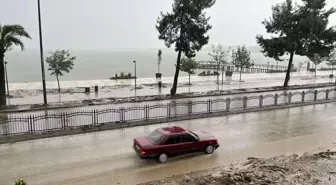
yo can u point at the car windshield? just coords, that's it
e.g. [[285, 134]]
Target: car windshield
[[155, 137], [193, 134]]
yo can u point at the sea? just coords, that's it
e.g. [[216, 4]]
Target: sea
[[25, 66]]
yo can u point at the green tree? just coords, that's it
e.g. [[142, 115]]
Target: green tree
[[316, 59], [20, 182], [10, 36], [59, 62], [298, 30], [331, 61], [220, 56], [189, 66], [186, 27], [241, 58]]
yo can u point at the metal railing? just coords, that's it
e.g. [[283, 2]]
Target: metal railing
[[214, 65], [13, 125]]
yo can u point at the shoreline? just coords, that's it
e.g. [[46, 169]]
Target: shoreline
[[149, 98], [65, 84]]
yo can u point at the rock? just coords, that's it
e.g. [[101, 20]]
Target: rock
[[248, 178], [237, 178]]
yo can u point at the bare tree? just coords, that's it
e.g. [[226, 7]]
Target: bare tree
[[220, 56]]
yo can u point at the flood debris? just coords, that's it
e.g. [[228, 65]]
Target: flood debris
[[309, 169]]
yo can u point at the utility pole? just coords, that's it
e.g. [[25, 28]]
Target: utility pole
[[135, 79], [41, 54]]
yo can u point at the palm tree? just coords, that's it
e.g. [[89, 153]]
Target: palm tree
[[9, 36]]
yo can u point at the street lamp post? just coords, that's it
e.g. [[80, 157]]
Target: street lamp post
[[41, 54], [6, 79], [135, 77], [277, 65]]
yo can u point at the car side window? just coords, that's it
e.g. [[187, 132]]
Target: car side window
[[187, 138], [173, 140]]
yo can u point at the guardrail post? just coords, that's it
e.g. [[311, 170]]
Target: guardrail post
[[290, 97], [209, 105], [327, 94], [146, 112], [31, 123], [190, 107], [261, 99], [66, 119], [228, 101], [63, 120], [122, 114], [97, 118], [168, 110], [276, 99], [244, 102], [315, 95], [303, 94], [94, 117]]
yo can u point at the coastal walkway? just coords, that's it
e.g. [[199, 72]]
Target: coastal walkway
[[108, 158], [255, 68], [72, 94]]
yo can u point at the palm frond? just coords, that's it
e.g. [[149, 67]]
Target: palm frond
[[13, 30], [13, 40], [11, 35]]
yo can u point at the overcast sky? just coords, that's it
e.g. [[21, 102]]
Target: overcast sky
[[115, 24]]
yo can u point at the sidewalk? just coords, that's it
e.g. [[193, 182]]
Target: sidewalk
[[140, 81], [198, 107], [106, 93]]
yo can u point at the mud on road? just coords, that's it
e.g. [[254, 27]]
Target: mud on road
[[318, 168]]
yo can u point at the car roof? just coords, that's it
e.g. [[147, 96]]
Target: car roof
[[173, 130]]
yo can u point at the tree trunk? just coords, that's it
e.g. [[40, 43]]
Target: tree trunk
[[217, 74], [2, 82], [332, 70], [289, 69], [177, 70], [59, 88], [222, 75], [189, 78], [241, 70], [315, 70]]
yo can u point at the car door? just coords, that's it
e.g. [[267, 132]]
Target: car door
[[173, 145], [189, 143]]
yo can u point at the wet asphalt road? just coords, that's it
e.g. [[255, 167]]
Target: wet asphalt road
[[108, 158]]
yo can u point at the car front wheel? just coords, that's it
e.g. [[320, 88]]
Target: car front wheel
[[163, 158], [209, 149]]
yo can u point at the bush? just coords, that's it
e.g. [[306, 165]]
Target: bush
[[20, 182]]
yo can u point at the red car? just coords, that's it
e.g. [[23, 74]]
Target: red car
[[173, 141]]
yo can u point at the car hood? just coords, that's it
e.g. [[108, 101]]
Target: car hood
[[204, 135]]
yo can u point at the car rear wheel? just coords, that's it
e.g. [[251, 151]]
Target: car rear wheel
[[163, 158], [209, 149]]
